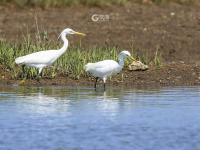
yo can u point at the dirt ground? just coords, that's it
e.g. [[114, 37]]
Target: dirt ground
[[172, 29], [173, 74]]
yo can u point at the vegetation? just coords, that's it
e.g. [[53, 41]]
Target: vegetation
[[47, 3], [177, 1], [70, 64]]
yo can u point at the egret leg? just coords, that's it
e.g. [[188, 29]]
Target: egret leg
[[39, 74], [95, 84], [104, 84]]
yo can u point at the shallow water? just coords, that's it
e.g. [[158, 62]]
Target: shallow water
[[63, 118]]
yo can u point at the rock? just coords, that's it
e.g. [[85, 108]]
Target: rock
[[137, 65]]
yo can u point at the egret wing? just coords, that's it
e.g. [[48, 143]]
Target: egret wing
[[104, 68], [42, 57]]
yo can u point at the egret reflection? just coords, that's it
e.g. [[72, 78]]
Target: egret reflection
[[44, 105]]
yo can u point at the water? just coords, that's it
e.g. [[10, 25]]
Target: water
[[63, 118]]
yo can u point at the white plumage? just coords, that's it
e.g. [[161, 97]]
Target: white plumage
[[106, 68], [45, 58]]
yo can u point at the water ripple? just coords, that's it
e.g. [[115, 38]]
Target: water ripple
[[80, 118]]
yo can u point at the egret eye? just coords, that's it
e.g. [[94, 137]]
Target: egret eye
[[71, 32]]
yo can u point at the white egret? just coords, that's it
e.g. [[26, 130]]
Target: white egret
[[45, 58], [106, 68]]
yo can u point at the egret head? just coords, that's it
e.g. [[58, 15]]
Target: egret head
[[70, 31], [125, 54]]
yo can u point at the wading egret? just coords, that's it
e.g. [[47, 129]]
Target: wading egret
[[106, 68], [45, 58]]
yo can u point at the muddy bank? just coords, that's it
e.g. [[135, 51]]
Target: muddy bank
[[172, 29], [173, 74]]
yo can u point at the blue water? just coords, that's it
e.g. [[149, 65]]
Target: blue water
[[63, 118]]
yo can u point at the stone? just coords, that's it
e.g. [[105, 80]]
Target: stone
[[137, 65]]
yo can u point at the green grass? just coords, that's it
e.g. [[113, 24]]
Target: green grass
[[157, 59], [47, 3], [71, 64]]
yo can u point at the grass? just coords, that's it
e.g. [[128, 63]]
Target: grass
[[157, 59], [71, 64], [47, 3], [177, 1], [58, 3]]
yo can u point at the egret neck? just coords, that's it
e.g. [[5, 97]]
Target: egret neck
[[65, 45], [121, 61]]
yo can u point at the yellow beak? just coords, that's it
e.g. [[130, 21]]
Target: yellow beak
[[79, 33]]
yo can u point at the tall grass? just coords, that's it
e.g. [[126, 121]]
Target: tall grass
[[70, 64]]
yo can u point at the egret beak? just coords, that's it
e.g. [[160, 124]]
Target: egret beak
[[79, 33]]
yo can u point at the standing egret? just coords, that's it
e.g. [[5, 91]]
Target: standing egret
[[106, 68], [45, 58]]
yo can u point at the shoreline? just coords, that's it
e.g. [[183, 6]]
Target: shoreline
[[173, 74], [169, 32]]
